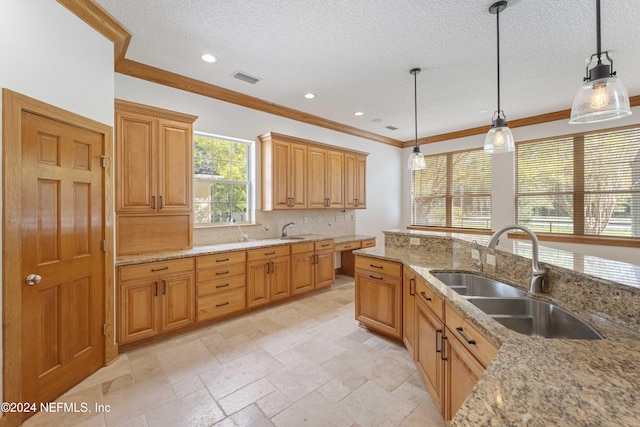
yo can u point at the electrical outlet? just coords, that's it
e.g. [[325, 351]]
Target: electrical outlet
[[491, 259], [414, 241], [338, 218], [353, 217], [305, 220], [319, 219], [346, 217], [475, 254]]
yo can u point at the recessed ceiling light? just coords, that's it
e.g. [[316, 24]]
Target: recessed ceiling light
[[376, 120], [309, 95], [358, 113], [208, 58]]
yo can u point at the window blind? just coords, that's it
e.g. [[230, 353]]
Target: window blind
[[453, 191], [583, 184]]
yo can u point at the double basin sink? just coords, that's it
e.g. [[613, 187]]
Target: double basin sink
[[514, 309]]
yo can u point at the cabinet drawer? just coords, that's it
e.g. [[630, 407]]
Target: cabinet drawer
[[475, 341], [155, 269], [268, 253], [209, 288], [379, 266], [217, 305], [429, 297], [218, 260], [220, 273], [348, 246], [300, 248], [323, 245], [369, 243]]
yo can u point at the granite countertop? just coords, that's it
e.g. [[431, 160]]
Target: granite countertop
[[540, 381], [229, 247]]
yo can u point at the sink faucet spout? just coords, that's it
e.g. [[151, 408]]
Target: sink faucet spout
[[538, 274], [285, 229]]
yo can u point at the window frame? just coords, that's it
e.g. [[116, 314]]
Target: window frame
[[578, 194], [449, 195], [250, 182]]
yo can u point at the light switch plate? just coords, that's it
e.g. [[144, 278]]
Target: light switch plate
[[338, 218], [305, 220], [491, 259], [414, 241], [475, 254]]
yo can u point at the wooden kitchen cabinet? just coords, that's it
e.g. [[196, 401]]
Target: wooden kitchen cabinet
[[378, 295], [154, 298], [268, 275], [303, 174], [409, 310], [325, 270], [325, 178], [154, 178], [220, 285], [312, 265], [355, 181]]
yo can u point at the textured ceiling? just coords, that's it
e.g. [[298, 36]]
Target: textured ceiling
[[356, 54]]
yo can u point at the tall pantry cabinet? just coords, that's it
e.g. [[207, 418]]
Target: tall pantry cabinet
[[154, 179]]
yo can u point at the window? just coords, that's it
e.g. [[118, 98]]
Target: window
[[221, 179], [586, 184], [453, 191]]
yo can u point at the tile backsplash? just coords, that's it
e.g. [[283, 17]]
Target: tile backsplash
[[332, 223]]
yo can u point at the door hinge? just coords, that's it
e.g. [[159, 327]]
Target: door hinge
[[103, 245], [104, 160], [104, 329]]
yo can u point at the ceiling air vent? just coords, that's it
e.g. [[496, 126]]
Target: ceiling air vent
[[391, 127], [246, 77]]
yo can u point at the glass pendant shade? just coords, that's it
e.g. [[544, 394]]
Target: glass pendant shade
[[600, 100], [416, 161], [499, 139]]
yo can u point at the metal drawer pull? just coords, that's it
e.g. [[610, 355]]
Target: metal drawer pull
[[375, 277], [376, 266], [425, 296], [222, 260], [348, 247], [160, 269], [443, 356], [153, 202], [164, 287], [223, 304], [438, 331], [222, 286], [325, 245], [160, 199], [269, 253], [464, 337], [220, 273], [156, 286]]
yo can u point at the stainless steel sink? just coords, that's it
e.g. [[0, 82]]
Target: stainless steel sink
[[292, 238], [535, 318], [469, 284]]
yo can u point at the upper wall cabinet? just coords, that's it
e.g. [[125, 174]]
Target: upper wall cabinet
[[303, 174], [154, 177]]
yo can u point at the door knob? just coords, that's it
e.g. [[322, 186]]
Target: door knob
[[33, 279]]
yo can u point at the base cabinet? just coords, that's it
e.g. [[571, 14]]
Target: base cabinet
[[220, 285], [268, 275], [154, 298], [378, 290], [409, 310]]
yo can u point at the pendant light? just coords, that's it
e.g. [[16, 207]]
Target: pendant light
[[416, 159], [602, 96], [499, 139]]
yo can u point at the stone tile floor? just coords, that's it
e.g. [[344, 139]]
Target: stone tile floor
[[301, 363]]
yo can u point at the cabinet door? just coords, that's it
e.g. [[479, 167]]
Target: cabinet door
[[379, 302], [258, 273], [302, 270], [428, 350], [175, 174], [280, 175], [139, 311], [335, 179], [462, 372], [350, 182], [408, 310], [325, 269], [361, 182], [316, 178], [178, 301], [280, 278], [298, 176], [136, 164]]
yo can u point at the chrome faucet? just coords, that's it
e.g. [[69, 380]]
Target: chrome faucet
[[538, 274], [286, 228]]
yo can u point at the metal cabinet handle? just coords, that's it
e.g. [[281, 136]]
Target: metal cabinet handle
[[375, 277], [160, 204], [223, 304], [160, 269], [438, 331], [222, 286], [464, 337], [153, 202], [425, 296], [220, 273], [376, 266], [443, 356], [33, 279], [164, 287], [222, 260], [156, 289], [269, 253], [411, 284]]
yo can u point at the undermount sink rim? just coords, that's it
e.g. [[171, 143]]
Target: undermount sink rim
[[499, 288]]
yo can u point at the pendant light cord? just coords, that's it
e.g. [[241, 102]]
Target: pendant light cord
[[415, 105], [498, 56], [598, 30]]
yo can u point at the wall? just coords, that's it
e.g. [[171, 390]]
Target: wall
[[503, 210], [51, 55], [217, 117]]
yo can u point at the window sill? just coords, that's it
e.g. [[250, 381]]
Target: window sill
[[226, 225], [450, 230], [629, 242]]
